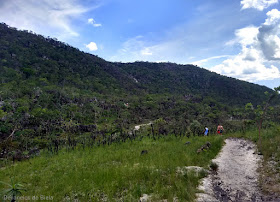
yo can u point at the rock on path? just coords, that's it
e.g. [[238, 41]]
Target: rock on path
[[237, 177]]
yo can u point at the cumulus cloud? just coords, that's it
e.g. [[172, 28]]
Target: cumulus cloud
[[260, 51], [257, 4], [92, 22], [248, 70], [48, 17], [245, 36], [269, 35], [92, 46]]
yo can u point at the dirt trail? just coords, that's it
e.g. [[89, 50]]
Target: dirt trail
[[137, 127], [237, 177]]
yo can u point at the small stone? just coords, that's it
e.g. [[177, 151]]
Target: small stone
[[144, 198]]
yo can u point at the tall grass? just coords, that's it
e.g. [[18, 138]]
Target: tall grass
[[117, 172]]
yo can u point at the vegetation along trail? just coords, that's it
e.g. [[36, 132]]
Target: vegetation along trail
[[236, 178]]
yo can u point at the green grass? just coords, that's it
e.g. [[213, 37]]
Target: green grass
[[117, 172]]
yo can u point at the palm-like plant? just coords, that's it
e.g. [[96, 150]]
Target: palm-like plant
[[15, 189]]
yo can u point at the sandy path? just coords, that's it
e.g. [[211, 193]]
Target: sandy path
[[137, 127], [237, 177]]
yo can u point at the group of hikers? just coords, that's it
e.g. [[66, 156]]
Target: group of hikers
[[220, 130]]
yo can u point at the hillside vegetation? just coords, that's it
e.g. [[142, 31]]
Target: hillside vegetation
[[79, 112], [50, 89], [52, 95]]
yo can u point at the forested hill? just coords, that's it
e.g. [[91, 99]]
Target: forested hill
[[190, 80], [27, 56], [48, 87]]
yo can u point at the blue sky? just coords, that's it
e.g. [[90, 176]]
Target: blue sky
[[236, 38]]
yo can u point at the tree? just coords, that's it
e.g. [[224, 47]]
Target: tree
[[262, 111], [196, 127]]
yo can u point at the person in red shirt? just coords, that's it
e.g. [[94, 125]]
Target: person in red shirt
[[220, 129]]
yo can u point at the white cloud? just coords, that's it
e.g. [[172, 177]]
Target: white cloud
[[273, 17], [97, 25], [257, 4], [146, 51], [248, 70], [92, 22], [203, 61], [269, 35], [49, 17], [245, 36], [92, 46], [260, 51]]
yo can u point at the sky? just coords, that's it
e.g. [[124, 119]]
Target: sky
[[235, 38]]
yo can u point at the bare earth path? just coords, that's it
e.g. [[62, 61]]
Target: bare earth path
[[237, 177]]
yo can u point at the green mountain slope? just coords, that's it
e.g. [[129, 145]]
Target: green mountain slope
[[189, 79], [26, 56], [50, 88]]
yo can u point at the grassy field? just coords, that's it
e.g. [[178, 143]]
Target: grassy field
[[117, 172]]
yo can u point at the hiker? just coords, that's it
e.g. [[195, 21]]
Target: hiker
[[206, 131], [220, 129]]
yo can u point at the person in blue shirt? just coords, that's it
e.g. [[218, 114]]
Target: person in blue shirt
[[206, 131]]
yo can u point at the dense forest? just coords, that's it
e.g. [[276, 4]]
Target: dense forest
[[52, 92]]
